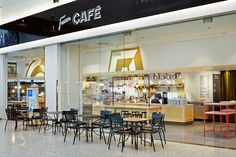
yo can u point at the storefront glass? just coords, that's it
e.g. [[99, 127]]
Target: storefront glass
[[171, 69], [26, 79], [86, 77]]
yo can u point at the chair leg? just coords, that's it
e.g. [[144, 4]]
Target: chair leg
[[76, 133], [103, 134], [109, 139], [91, 134], [23, 124], [123, 142], [41, 125], [114, 136], [79, 133], [119, 140], [65, 135], [32, 124], [6, 125], [15, 125], [152, 141], [164, 136], [100, 133], [161, 139], [144, 139]]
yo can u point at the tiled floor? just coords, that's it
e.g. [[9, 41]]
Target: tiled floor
[[34, 144], [194, 134]]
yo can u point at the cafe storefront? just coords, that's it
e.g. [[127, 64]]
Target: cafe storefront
[[137, 56]]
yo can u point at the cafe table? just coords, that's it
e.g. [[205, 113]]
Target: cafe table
[[88, 118], [52, 116], [135, 124]]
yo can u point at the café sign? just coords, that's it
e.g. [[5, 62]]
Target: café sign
[[81, 16]]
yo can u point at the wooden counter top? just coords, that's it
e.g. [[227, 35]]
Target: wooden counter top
[[148, 109], [134, 107]]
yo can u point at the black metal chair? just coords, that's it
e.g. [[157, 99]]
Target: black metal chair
[[118, 127], [11, 115], [156, 126], [18, 115], [22, 114], [72, 122], [38, 114], [103, 123]]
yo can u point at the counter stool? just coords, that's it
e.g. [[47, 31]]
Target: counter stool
[[123, 112]]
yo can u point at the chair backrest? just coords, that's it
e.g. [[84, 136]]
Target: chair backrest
[[11, 113], [70, 115], [74, 109], [158, 118], [22, 110], [115, 114], [104, 112], [117, 121], [36, 110]]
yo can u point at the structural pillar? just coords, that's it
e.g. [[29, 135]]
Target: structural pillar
[[52, 55], [3, 85]]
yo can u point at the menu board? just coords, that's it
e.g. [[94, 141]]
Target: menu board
[[32, 98]]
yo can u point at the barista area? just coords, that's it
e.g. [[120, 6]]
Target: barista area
[[180, 96]]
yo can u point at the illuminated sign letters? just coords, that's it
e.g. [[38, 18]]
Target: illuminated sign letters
[[81, 17]]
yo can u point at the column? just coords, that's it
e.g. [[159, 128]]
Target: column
[[52, 55], [3, 85], [18, 90]]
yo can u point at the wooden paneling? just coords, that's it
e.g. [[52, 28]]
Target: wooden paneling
[[178, 113]]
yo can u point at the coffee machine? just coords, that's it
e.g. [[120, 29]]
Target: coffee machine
[[164, 98]]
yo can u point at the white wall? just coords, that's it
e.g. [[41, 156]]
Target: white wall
[[0, 13], [25, 8], [52, 53], [192, 86], [0, 9], [96, 61], [195, 53]]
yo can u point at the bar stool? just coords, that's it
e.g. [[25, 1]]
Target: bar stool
[[123, 112], [136, 114], [144, 114]]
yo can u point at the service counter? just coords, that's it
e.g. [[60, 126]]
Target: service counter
[[178, 113], [173, 113], [17, 103]]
